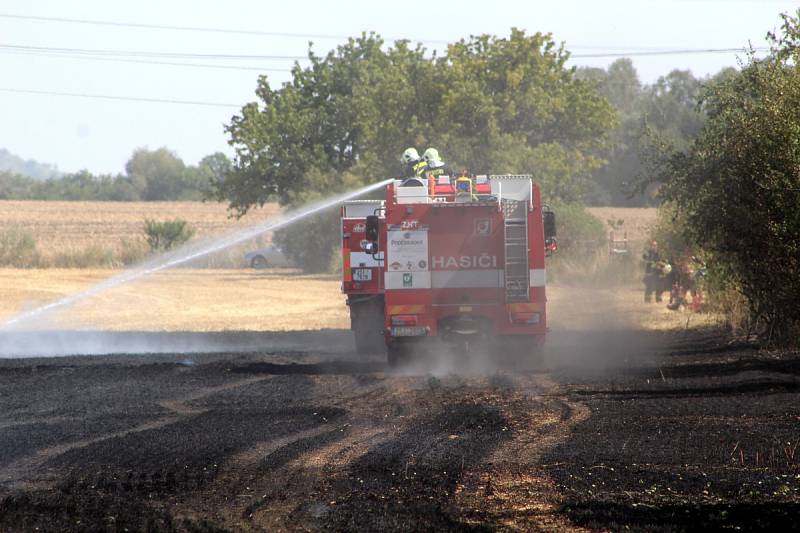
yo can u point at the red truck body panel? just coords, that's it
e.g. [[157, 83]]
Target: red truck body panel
[[451, 265]]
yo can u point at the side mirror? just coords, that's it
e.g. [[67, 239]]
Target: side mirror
[[549, 219]]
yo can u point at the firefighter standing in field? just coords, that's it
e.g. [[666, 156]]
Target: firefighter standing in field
[[415, 166], [654, 274]]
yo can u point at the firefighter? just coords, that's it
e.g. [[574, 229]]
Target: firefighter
[[435, 165], [415, 166], [654, 275]]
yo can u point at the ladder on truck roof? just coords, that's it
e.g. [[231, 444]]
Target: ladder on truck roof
[[515, 233]]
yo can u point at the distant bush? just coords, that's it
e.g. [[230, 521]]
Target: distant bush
[[132, 251], [93, 255], [18, 249], [168, 234]]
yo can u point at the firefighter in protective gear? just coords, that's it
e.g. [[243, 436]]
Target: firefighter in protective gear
[[414, 165], [654, 274], [434, 164]]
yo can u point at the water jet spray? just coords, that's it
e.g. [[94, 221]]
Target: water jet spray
[[189, 253]]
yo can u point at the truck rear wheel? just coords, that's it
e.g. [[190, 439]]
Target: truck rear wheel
[[369, 339], [366, 321]]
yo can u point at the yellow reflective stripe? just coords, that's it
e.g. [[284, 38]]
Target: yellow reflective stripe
[[419, 168], [406, 309]]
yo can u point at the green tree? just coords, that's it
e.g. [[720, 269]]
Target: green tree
[[669, 109], [738, 183], [489, 105], [156, 174]]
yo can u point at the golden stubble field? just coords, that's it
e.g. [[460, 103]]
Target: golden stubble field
[[210, 300], [63, 226], [180, 300], [207, 299], [638, 221]]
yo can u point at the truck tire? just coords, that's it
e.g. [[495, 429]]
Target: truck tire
[[369, 339], [366, 321]]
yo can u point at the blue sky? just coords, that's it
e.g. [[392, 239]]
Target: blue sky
[[100, 135]]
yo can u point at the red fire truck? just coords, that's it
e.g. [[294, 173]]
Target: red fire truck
[[458, 258]]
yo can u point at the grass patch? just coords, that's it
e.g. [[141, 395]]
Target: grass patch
[[18, 249]]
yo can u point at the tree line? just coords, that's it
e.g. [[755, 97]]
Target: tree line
[[735, 188], [150, 175], [488, 104]]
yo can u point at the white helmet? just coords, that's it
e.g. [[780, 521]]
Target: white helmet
[[410, 156], [431, 156]]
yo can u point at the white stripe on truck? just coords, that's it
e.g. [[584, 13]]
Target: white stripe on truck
[[467, 279], [457, 279]]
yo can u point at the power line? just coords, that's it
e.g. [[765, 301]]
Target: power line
[[191, 28], [183, 55], [146, 62], [664, 50], [671, 52], [139, 53], [127, 98]]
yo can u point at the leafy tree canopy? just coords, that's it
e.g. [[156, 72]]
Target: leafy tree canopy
[[738, 183], [489, 105]]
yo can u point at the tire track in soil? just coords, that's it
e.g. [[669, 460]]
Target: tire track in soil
[[513, 491], [266, 488], [333, 484], [19, 474]]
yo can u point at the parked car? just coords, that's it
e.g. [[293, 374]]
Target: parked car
[[269, 256]]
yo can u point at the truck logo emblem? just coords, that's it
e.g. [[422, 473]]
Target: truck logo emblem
[[359, 228], [407, 279], [483, 226]]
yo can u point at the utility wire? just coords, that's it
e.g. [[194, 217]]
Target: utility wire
[[138, 53], [285, 34], [672, 52], [147, 62], [193, 28], [181, 55], [128, 98]]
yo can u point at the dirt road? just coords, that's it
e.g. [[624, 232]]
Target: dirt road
[[620, 428]]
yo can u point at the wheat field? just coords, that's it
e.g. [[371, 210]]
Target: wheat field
[[208, 300], [638, 222], [72, 225], [65, 226]]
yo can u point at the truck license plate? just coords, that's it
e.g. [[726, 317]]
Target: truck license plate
[[362, 274], [409, 331]]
